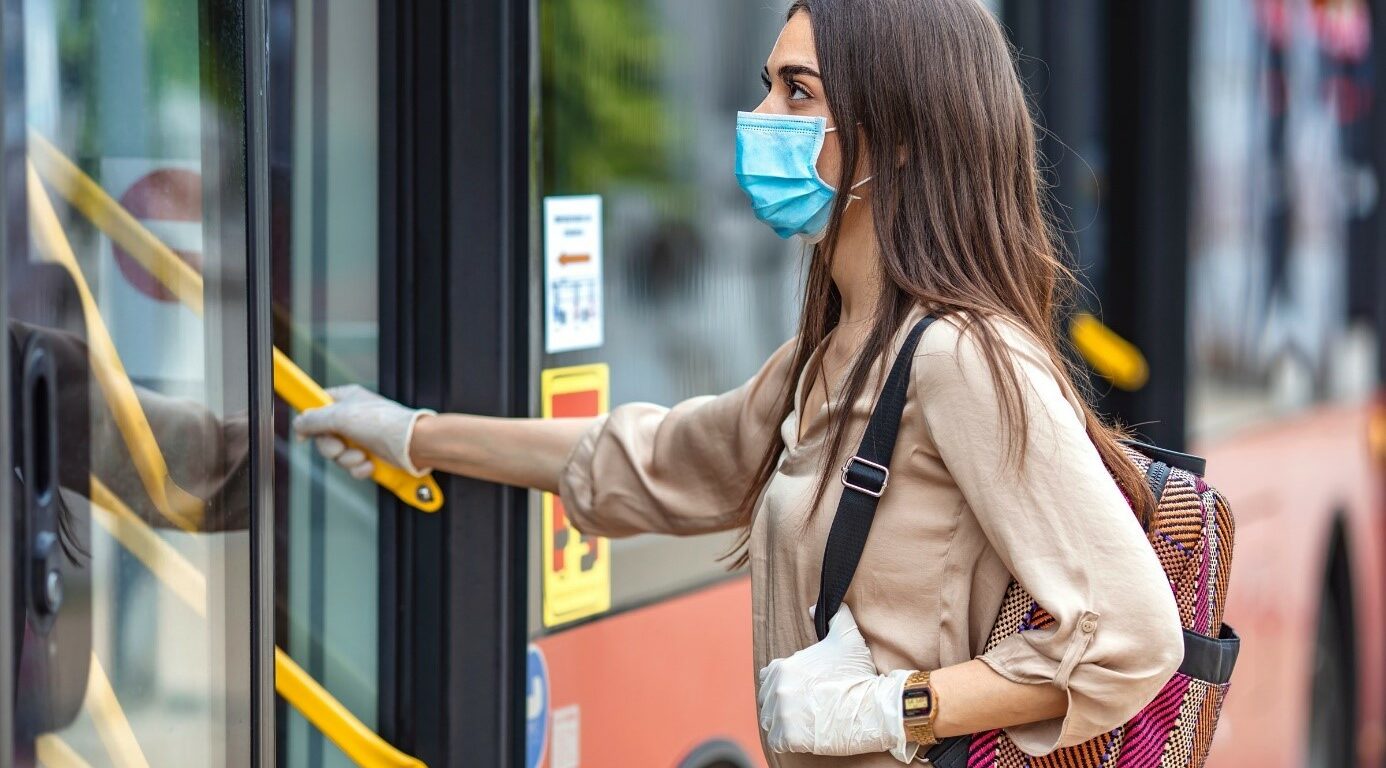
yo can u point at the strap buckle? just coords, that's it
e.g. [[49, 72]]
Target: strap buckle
[[861, 482]]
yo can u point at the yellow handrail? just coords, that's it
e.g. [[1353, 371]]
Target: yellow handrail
[[290, 382], [180, 507], [329, 716], [302, 393]]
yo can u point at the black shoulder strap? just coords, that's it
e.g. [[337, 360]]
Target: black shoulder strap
[[864, 479]]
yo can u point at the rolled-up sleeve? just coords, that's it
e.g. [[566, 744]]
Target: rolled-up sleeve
[[683, 470], [1063, 529]]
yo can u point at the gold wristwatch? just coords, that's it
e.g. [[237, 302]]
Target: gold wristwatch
[[920, 709]]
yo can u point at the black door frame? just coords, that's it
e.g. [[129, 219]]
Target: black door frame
[[255, 85], [1146, 105], [455, 298], [14, 234]]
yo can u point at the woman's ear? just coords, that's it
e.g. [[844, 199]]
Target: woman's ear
[[901, 155]]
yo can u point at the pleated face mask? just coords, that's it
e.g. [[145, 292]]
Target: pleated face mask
[[777, 167]]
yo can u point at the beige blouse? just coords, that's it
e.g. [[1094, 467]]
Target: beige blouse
[[958, 519]]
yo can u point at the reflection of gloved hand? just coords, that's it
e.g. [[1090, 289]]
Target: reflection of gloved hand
[[369, 422], [827, 699]]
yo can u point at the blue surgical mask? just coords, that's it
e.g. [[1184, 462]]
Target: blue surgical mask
[[777, 167]]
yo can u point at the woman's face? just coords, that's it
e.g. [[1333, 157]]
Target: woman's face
[[794, 87]]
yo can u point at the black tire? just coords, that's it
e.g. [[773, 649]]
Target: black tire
[[1331, 717], [718, 753]]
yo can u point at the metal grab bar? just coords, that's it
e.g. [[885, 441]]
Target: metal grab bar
[[177, 505], [291, 383], [303, 394], [360, 743]]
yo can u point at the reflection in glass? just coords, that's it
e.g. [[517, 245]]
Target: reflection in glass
[[145, 317]]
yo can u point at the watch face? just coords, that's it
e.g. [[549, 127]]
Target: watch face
[[919, 703]]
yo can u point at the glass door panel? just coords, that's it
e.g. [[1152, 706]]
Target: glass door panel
[[324, 126], [129, 314]]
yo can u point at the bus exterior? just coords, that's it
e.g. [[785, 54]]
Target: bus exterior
[[1256, 304], [527, 208]]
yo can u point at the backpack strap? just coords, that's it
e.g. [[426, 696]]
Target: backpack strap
[[864, 479]]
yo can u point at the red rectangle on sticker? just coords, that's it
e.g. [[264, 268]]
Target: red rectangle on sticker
[[576, 404]]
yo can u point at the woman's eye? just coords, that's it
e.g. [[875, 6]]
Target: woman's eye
[[797, 92], [765, 80]]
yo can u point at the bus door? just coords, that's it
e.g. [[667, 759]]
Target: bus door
[[137, 572]]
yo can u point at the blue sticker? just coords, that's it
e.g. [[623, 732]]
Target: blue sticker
[[536, 707]]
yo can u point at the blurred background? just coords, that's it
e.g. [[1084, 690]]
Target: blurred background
[[370, 188]]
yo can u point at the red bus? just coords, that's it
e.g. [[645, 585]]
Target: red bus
[[527, 208]]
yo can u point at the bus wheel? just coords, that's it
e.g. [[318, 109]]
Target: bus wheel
[[1333, 699], [718, 753]]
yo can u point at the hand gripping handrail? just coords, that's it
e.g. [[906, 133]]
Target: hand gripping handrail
[[290, 382]]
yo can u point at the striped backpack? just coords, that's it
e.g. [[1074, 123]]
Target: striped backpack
[[1191, 532]]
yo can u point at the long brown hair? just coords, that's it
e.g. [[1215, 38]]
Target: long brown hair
[[961, 224]]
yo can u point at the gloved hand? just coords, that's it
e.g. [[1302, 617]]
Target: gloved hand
[[827, 699], [371, 422]]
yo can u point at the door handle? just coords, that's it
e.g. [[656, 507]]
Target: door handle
[[53, 571], [38, 472]]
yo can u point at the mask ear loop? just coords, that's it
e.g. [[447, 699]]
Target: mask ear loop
[[851, 198]]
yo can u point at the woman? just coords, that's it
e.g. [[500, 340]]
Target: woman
[[915, 109]]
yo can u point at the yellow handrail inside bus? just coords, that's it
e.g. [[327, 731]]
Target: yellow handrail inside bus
[[329, 716], [1109, 354], [300, 391], [180, 507], [290, 382]]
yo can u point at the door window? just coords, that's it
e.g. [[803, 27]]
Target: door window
[[325, 312], [129, 312], [638, 107]]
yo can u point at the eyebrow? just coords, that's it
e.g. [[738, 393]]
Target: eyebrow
[[790, 70]]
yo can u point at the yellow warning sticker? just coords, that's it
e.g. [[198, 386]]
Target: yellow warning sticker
[[577, 567]]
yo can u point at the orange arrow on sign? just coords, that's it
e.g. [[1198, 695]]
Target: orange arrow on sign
[[574, 258]]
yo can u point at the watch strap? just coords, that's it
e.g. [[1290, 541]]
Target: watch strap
[[919, 706]]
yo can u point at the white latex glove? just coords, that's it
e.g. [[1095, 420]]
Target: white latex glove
[[827, 699], [370, 422]]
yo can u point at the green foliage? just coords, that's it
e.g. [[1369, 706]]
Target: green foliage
[[604, 120]]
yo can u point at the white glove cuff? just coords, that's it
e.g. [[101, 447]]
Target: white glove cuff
[[406, 462], [890, 698]]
